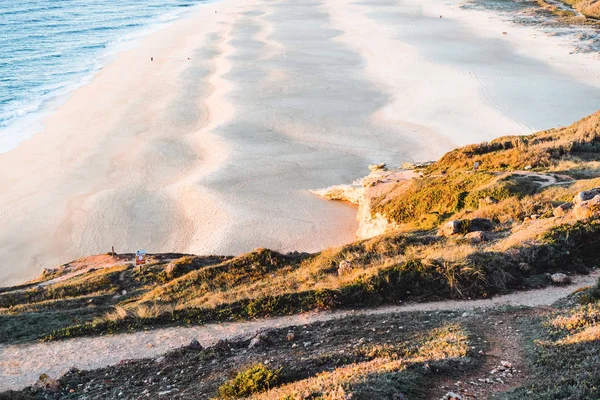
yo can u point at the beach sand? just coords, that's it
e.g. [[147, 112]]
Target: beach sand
[[214, 145]]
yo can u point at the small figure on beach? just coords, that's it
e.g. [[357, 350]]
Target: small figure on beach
[[151, 58], [476, 166]]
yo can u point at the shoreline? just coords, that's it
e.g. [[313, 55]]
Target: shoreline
[[179, 154], [32, 121]]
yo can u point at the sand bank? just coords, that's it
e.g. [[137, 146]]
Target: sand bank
[[214, 145]]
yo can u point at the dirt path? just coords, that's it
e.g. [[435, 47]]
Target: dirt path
[[504, 366], [21, 365]]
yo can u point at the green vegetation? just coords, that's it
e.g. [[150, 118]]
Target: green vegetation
[[564, 353], [542, 150], [432, 199], [255, 379]]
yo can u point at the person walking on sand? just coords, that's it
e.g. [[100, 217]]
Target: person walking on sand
[[476, 166], [151, 58]]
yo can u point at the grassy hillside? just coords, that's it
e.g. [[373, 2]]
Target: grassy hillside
[[507, 233], [519, 183], [513, 170]]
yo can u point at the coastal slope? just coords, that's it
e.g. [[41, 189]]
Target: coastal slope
[[213, 146]]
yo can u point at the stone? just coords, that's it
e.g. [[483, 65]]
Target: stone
[[254, 342], [588, 208], [452, 396], [195, 344], [459, 226], [451, 228], [586, 195], [46, 383], [344, 267], [477, 237], [377, 167], [560, 278], [562, 209], [506, 364]]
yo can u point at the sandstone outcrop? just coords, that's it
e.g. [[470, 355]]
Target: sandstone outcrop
[[363, 192]]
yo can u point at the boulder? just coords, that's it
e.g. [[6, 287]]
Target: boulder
[[477, 237], [344, 267], [588, 208], [560, 279], [461, 226], [586, 195], [451, 228], [562, 209]]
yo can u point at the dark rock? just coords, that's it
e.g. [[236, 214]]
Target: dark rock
[[195, 345]]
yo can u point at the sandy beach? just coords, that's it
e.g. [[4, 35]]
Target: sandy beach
[[213, 146]]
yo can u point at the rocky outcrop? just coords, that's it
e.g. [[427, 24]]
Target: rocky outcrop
[[363, 192], [586, 195], [586, 208]]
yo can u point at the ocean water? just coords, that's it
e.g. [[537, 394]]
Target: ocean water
[[50, 47]]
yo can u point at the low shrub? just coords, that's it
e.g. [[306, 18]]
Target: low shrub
[[255, 379]]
